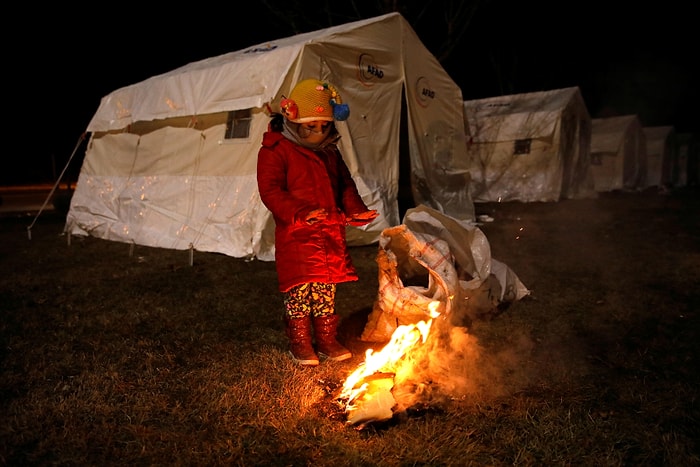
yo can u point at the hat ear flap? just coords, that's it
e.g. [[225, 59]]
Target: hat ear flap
[[290, 109]]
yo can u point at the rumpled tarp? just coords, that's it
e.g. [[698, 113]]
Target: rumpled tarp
[[432, 257]]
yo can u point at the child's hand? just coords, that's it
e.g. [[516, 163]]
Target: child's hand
[[362, 218], [316, 215]]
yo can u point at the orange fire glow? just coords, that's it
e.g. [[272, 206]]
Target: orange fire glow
[[367, 391]]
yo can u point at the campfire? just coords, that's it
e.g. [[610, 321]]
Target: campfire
[[367, 392], [436, 276]]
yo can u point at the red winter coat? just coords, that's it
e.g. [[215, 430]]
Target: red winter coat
[[294, 181]]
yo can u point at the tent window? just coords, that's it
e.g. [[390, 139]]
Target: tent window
[[238, 124], [522, 146]]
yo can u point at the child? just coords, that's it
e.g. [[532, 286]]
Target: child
[[306, 185]]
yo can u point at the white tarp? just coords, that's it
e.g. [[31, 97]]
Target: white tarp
[[432, 257], [618, 153], [529, 147], [160, 171]]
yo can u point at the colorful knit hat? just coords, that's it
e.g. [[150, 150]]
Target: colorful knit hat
[[311, 100]]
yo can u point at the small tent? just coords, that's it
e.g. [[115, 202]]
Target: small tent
[[686, 170], [529, 147], [618, 153], [171, 161], [661, 158]]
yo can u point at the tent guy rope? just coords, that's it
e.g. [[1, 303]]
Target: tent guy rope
[[58, 181]]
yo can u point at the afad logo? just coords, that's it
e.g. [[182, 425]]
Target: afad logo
[[424, 92], [368, 70]]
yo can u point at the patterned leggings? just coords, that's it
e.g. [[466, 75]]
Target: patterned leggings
[[310, 299]]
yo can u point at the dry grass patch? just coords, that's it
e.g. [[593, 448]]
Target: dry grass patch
[[133, 357]]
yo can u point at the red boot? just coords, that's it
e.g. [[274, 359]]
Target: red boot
[[299, 333], [326, 329]]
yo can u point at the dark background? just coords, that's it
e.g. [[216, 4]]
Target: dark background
[[627, 58]]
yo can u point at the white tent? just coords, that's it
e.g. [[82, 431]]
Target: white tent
[[686, 169], [661, 158], [618, 153], [529, 147], [171, 160]]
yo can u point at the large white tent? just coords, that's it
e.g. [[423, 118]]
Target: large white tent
[[529, 147], [171, 160], [618, 153]]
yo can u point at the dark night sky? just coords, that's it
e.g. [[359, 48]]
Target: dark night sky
[[625, 57]]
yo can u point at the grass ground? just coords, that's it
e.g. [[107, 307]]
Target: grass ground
[[117, 356]]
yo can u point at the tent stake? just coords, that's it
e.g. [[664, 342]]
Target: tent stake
[[131, 249], [191, 254]]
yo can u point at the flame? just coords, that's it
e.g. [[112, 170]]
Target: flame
[[370, 384]]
